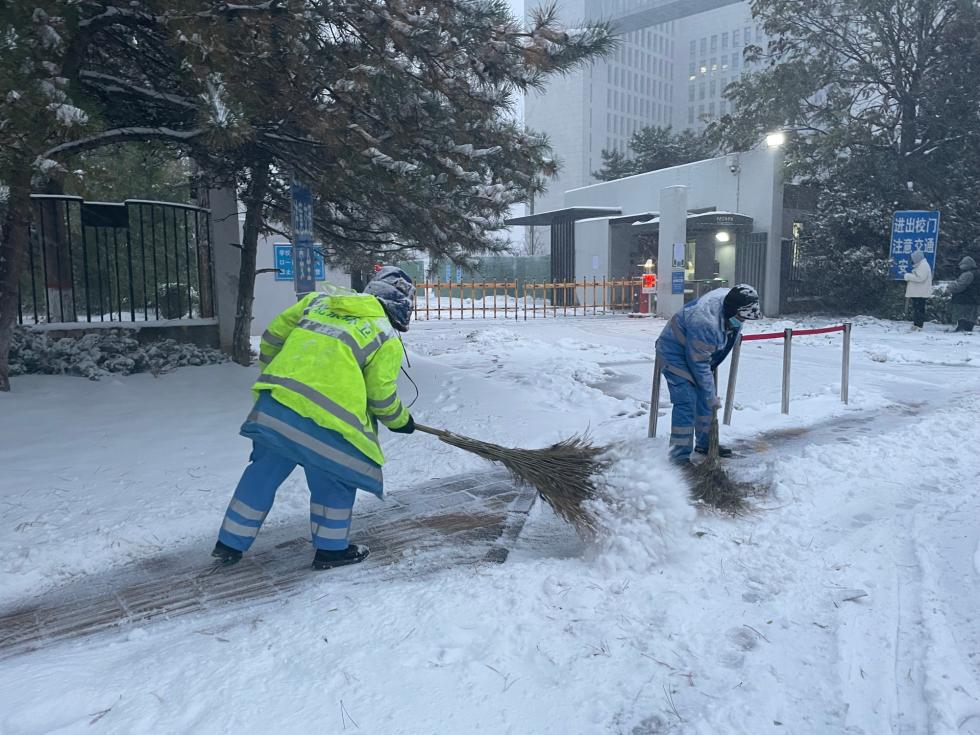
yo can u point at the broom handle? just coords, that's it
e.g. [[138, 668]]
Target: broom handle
[[430, 430], [713, 439]]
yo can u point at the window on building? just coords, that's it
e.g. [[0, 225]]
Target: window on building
[[690, 93], [735, 61], [714, 43], [712, 88], [724, 39], [748, 35], [701, 90], [711, 109], [694, 47], [722, 107], [700, 110], [609, 98], [714, 65], [704, 45], [736, 38], [690, 115], [703, 69]]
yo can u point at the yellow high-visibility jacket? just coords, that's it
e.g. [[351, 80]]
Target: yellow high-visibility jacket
[[334, 359]]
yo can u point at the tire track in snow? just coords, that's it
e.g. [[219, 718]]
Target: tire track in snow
[[900, 650]]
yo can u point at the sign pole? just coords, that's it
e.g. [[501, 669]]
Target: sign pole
[[845, 363], [304, 277]]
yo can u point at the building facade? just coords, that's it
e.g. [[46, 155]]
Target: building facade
[[673, 61]]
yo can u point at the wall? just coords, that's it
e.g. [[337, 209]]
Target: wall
[[227, 260], [592, 250], [707, 72], [562, 111]]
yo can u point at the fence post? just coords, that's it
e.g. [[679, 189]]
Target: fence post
[[787, 357], [655, 398], [732, 377], [845, 363]]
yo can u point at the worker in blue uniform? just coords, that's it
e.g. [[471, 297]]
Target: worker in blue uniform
[[695, 341]]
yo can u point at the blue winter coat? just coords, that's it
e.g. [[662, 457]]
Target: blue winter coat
[[696, 340]]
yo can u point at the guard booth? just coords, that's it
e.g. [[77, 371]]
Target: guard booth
[[716, 244]]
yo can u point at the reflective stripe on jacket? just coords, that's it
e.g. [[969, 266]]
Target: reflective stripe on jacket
[[335, 360], [696, 340]]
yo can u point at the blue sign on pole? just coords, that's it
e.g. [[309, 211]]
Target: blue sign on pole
[[913, 231], [677, 282], [284, 263], [304, 278]]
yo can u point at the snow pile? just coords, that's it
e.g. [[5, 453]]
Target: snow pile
[[98, 355], [645, 516]]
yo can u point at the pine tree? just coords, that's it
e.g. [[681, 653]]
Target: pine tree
[[883, 105], [654, 148], [395, 112]]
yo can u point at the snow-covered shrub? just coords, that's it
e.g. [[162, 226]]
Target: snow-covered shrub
[[96, 355]]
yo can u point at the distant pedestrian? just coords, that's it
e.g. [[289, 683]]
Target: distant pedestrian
[[965, 292], [919, 288]]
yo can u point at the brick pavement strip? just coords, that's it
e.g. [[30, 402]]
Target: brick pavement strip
[[476, 517]]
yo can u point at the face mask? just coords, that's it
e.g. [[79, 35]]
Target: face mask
[[734, 321]]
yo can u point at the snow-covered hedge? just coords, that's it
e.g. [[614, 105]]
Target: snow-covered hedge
[[102, 353]]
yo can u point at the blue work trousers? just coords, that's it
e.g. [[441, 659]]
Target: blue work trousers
[[691, 415], [331, 502]]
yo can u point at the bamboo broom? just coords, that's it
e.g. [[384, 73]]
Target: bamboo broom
[[710, 484], [565, 474]]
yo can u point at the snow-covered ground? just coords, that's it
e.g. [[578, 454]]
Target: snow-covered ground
[[846, 602]]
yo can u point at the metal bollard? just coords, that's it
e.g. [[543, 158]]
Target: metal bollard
[[845, 363], [732, 376], [655, 397], [787, 356]]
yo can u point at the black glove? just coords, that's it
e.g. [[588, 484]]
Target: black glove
[[408, 428]]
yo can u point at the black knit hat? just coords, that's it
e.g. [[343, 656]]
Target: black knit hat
[[743, 301]]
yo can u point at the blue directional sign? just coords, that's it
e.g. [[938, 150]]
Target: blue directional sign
[[304, 279], [913, 231], [284, 263], [677, 282]]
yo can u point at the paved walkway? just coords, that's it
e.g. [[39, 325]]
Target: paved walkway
[[474, 517]]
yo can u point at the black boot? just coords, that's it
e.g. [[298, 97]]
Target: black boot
[[226, 554], [353, 554], [724, 452]]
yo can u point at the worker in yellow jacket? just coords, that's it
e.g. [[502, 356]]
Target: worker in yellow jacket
[[329, 370]]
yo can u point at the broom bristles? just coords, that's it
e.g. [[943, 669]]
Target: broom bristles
[[565, 475], [710, 484]]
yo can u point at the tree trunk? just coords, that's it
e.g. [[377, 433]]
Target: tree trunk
[[254, 200], [13, 248]]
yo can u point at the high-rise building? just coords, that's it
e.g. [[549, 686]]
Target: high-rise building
[[674, 59]]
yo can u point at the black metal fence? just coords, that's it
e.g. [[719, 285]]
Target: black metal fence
[[105, 262]]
